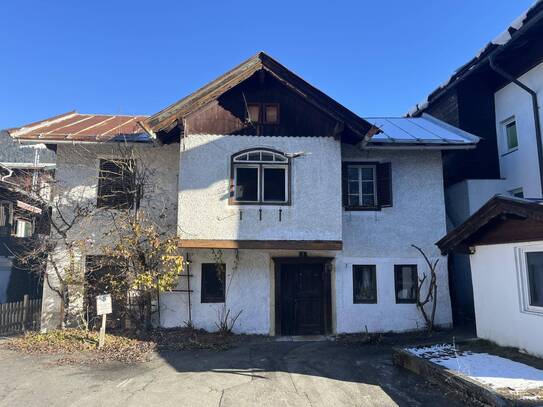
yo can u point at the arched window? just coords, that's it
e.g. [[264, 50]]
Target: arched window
[[260, 176]]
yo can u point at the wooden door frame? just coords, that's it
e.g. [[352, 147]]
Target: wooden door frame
[[327, 292]]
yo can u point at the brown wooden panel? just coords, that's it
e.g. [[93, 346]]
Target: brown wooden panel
[[228, 114], [262, 244]]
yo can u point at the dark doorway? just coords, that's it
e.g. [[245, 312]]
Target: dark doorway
[[303, 296]]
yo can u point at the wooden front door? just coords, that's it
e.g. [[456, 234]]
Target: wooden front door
[[303, 298]]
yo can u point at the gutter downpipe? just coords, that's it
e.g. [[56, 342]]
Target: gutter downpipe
[[535, 108]]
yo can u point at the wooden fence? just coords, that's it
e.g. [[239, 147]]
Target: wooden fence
[[17, 317]]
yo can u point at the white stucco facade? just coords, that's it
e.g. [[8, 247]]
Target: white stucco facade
[[500, 307], [76, 181], [198, 204], [520, 168], [384, 238], [315, 210], [381, 238]]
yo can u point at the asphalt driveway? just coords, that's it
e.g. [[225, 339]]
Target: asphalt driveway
[[257, 374]]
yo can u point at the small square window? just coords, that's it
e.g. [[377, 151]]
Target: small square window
[[271, 114], [364, 284], [24, 228], [510, 132], [253, 111], [361, 186], [213, 282], [406, 281]]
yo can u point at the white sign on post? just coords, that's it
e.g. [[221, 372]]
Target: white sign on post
[[103, 304], [103, 307]]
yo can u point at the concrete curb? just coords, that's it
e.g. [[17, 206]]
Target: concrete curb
[[468, 389]]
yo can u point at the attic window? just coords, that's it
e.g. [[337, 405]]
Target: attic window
[[263, 113], [253, 111], [271, 113]]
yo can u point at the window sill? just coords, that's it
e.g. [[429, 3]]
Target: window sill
[[509, 152], [365, 302], [362, 208], [533, 310], [237, 203], [406, 301]]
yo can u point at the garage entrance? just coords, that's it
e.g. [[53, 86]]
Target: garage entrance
[[302, 296]]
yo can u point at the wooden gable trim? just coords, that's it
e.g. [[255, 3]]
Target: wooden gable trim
[[261, 61], [262, 244]]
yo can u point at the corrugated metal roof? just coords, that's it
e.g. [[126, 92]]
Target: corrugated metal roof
[[424, 130], [73, 126]]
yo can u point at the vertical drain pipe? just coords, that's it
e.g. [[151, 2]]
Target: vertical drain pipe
[[535, 108]]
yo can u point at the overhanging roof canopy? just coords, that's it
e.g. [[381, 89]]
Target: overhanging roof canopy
[[81, 128], [418, 131], [503, 219]]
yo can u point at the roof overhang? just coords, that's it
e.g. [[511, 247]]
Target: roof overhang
[[506, 40], [498, 208], [174, 114]]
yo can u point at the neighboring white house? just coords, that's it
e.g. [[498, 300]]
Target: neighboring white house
[[497, 95], [504, 240], [311, 209]]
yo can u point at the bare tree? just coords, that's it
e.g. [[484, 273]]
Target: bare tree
[[430, 296]]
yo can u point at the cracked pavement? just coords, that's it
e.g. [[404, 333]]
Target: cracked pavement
[[307, 374]]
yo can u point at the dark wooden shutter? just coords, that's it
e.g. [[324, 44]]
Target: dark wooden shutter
[[384, 185]]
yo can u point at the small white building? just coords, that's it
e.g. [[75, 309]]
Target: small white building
[[504, 240], [309, 209]]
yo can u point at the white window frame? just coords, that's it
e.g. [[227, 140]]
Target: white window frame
[[523, 282], [360, 182], [505, 141], [9, 206], [19, 229]]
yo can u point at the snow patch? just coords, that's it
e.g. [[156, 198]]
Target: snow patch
[[491, 370]]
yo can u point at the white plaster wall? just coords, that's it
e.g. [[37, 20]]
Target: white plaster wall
[[520, 168], [204, 212], [386, 315], [384, 238], [248, 290], [464, 198], [498, 310], [76, 179]]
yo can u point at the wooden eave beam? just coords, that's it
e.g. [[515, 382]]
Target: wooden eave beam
[[262, 244]]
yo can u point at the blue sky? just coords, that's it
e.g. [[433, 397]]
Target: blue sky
[[133, 57]]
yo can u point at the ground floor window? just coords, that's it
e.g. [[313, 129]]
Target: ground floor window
[[213, 282], [534, 265], [364, 284], [405, 278]]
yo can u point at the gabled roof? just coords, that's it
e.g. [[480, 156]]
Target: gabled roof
[[76, 127], [418, 131], [261, 61], [500, 43], [500, 208]]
